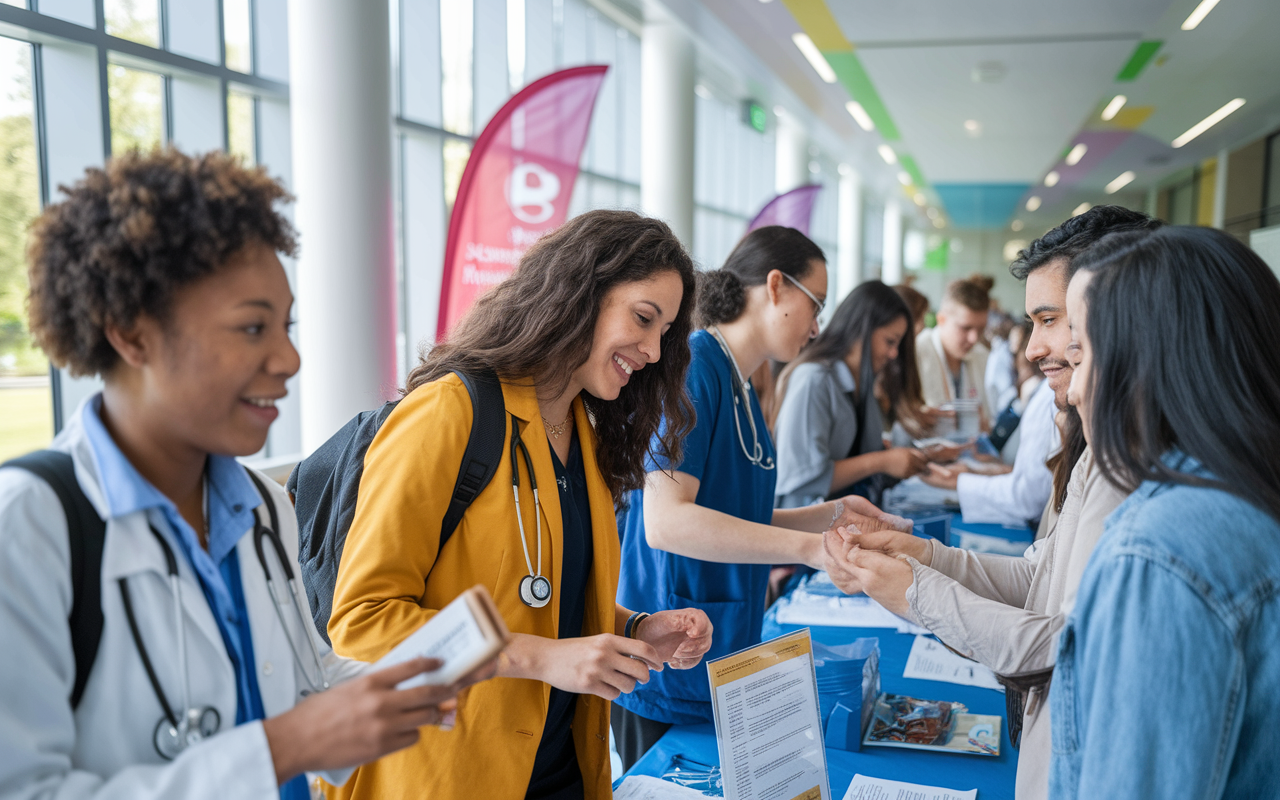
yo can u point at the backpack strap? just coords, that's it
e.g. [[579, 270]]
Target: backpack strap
[[86, 532], [484, 447]]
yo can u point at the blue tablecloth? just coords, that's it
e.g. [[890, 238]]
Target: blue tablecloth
[[992, 777]]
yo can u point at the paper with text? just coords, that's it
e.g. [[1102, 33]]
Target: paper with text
[[864, 788], [932, 661], [647, 787], [768, 727], [452, 635]]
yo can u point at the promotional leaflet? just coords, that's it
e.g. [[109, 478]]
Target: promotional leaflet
[[768, 727], [864, 788], [464, 634], [932, 661]]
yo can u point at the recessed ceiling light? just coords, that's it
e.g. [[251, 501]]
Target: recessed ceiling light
[[702, 91], [886, 152], [1033, 202], [920, 199], [939, 222], [904, 179], [1114, 107], [1208, 122], [860, 115], [932, 213], [973, 127], [1080, 209], [1017, 225], [1076, 154], [1052, 178], [1199, 14], [1122, 180], [845, 169], [811, 53], [989, 72]]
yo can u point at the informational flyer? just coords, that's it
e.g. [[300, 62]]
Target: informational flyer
[[932, 661], [768, 726], [864, 788]]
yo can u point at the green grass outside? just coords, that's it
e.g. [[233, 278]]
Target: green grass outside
[[26, 420]]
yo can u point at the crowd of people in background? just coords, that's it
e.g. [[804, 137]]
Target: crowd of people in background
[[691, 432]]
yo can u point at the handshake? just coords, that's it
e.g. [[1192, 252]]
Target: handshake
[[867, 550]]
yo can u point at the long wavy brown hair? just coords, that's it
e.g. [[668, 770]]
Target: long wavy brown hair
[[538, 326]]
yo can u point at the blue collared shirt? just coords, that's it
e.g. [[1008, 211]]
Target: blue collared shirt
[[232, 497]]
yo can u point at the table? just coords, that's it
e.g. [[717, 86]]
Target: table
[[992, 777]]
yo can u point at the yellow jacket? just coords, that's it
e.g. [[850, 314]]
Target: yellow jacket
[[392, 580]]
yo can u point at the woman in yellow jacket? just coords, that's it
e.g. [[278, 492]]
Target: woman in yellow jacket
[[575, 336]]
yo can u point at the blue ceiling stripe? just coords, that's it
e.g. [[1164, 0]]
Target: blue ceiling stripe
[[980, 205]]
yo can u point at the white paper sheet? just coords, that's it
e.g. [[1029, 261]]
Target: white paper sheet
[[647, 787], [452, 636], [864, 788], [768, 728], [818, 602], [931, 661]]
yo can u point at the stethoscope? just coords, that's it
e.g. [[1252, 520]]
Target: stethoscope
[[174, 733], [741, 396], [535, 589]]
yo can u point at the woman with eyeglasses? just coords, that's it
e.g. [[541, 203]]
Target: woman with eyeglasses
[[703, 531]]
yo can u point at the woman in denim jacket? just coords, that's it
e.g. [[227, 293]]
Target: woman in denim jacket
[[1168, 675]]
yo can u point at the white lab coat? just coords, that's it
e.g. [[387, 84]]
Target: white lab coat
[[104, 749], [935, 378], [1018, 496]]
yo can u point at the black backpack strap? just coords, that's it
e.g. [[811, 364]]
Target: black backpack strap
[[484, 447], [86, 532]]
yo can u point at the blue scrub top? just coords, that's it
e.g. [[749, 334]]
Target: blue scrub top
[[732, 595]]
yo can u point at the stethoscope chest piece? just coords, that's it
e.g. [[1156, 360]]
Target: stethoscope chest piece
[[201, 723], [535, 591]]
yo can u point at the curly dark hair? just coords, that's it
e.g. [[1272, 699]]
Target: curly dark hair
[[539, 324], [130, 235], [1076, 235]]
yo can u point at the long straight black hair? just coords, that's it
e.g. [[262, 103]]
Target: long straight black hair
[[869, 307], [1184, 325]]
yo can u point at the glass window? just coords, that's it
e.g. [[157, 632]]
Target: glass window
[[136, 20], [26, 403], [456, 42], [137, 108], [456, 153], [239, 42], [241, 127], [515, 43], [18, 3]]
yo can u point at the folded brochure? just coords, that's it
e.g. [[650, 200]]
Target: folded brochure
[[464, 634]]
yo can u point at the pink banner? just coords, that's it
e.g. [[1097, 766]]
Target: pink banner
[[516, 185], [791, 210]]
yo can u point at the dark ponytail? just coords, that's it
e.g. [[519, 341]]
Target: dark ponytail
[[722, 293]]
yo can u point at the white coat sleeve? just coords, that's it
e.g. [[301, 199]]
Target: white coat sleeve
[[1020, 495], [37, 725]]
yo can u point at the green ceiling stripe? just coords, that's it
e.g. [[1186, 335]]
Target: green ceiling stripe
[[858, 84], [909, 165], [1142, 55]]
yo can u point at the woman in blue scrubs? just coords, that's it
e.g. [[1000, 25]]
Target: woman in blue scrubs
[[703, 533]]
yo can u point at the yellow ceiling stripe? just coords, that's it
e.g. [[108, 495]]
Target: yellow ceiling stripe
[[816, 20]]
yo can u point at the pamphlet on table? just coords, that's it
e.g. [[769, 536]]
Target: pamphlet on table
[[818, 601], [768, 728], [464, 634], [864, 788], [647, 787], [932, 661]]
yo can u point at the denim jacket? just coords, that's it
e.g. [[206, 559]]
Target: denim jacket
[[1168, 673]]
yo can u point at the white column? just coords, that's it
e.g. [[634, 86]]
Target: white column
[[340, 104], [1220, 189], [848, 232], [667, 122], [891, 272], [791, 164]]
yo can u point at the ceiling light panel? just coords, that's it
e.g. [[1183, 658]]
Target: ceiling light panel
[[1208, 122], [1052, 178], [886, 152], [1080, 209], [1033, 202], [811, 53], [1199, 14], [1076, 154], [904, 179], [860, 115], [1113, 108], [1122, 180]]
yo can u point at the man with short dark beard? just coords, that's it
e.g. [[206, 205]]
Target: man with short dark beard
[[1006, 611]]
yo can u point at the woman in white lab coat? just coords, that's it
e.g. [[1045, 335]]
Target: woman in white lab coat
[[159, 273]]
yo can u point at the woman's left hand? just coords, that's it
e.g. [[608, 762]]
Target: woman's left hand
[[864, 516], [681, 637]]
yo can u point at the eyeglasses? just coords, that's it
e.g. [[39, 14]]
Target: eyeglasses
[[819, 304]]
